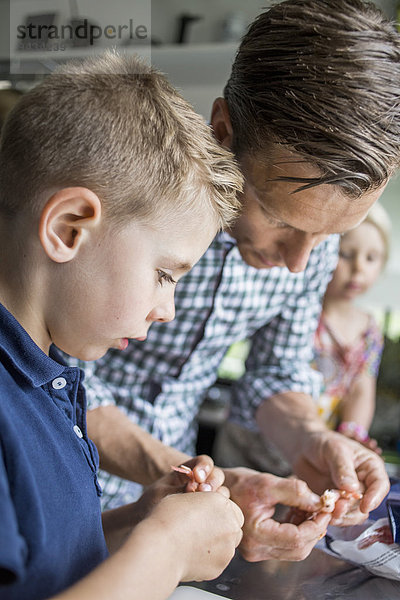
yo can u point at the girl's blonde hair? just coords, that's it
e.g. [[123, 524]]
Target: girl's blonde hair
[[379, 218]]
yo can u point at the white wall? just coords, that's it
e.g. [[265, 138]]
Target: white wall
[[214, 13], [160, 16]]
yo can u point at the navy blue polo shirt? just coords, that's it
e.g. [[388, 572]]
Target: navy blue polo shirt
[[50, 519]]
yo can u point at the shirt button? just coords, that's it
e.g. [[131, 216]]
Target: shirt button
[[78, 431], [59, 383]]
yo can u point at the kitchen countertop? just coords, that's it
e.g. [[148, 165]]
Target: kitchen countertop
[[318, 577]]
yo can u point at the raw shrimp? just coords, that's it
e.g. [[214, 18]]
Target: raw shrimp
[[330, 497], [186, 471]]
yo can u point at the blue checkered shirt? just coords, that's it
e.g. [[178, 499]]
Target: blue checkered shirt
[[160, 383]]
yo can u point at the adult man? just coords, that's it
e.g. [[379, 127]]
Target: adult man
[[312, 113]]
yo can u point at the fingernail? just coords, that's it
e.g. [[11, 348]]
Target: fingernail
[[201, 475], [348, 481], [205, 487]]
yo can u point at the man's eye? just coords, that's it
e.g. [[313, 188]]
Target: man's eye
[[271, 220], [164, 277]]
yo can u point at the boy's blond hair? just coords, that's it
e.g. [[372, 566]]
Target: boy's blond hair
[[116, 126]]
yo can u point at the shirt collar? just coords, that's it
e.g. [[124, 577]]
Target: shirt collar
[[227, 239], [22, 354]]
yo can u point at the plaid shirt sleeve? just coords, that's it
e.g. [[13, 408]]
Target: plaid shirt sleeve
[[281, 352]]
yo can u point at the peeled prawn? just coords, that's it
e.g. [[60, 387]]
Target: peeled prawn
[[330, 497], [185, 471]]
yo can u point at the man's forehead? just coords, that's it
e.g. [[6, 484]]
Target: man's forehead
[[277, 161], [274, 179], [322, 209]]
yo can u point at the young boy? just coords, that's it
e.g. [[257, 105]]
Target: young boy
[[111, 189]]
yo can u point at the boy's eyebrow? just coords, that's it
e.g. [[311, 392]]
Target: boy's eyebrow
[[176, 264]]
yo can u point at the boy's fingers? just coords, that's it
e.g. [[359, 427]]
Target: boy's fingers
[[237, 512], [216, 478], [205, 472], [224, 492]]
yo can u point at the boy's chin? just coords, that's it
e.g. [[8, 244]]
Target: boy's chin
[[90, 354]]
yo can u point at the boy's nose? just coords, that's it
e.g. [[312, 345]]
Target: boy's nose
[[164, 312]]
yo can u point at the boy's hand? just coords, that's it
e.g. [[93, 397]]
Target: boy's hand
[[206, 478], [258, 495], [204, 529]]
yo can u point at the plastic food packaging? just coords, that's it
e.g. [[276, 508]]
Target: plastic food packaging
[[375, 544]]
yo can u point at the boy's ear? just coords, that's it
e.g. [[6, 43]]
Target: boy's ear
[[66, 220], [221, 123]]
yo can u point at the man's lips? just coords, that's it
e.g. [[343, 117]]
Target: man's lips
[[265, 261]]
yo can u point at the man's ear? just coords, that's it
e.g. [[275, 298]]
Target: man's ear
[[66, 221], [221, 123]]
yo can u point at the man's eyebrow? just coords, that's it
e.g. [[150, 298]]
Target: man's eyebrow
[[272, 216]]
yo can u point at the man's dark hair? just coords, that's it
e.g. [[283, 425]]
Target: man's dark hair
[[321, 77]]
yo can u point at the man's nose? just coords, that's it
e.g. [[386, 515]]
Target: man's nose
[[296, 250]]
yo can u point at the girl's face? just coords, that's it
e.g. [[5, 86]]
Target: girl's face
[[361, 259]]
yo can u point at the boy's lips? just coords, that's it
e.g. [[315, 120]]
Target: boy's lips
[[123, 342]]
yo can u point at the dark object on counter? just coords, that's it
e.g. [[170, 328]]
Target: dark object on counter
[[390, 507], [184, 21], [393, 508]]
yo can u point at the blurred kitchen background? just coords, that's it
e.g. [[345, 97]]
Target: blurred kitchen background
[[194, 42]]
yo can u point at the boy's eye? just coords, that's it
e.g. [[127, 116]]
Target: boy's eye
[[164, 277], [345, 255]]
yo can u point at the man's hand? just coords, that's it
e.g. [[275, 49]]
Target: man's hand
[[258, 495], [323, 458], [330, 460]]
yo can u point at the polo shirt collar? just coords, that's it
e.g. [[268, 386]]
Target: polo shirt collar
[[21, 352]]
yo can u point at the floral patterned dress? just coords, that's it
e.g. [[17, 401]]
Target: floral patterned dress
[[341, 364]]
